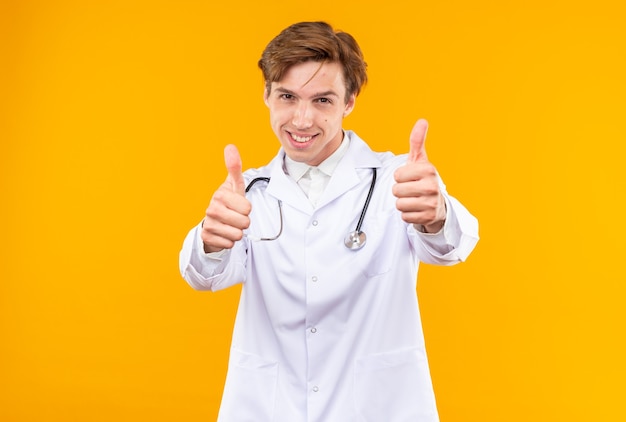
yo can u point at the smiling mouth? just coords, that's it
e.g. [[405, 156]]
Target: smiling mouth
[[300, 139]]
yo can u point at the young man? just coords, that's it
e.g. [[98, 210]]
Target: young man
[[326, 240]]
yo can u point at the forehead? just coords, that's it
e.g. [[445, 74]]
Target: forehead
[[313, 76]]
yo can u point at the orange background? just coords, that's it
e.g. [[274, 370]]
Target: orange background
[[113, 118]]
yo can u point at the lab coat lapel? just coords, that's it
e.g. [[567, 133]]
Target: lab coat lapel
[[284, 188], [345, 176]]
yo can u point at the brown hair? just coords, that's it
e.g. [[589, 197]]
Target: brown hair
[[314, 41]]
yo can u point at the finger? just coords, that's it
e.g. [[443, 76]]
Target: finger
[[213, 230], [229, 208], [414, 186], [417, 150], [215, 240], [233, 165]]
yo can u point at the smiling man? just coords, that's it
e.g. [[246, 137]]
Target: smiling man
[[307, 107], [326, 239]]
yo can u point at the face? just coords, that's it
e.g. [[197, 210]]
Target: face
[[307, 108]]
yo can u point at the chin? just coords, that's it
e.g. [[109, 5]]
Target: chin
[[298, 156]]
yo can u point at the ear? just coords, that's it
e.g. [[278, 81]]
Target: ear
[[349, 105], [266, 95]]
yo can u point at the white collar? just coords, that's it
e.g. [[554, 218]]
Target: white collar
[[297, 169]]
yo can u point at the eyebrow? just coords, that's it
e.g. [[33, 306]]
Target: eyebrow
[[316, 95]]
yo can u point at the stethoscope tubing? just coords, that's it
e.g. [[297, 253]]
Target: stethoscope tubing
[[367, 201], [355, 239]]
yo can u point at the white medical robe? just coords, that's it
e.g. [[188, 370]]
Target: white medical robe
[[324, 333]]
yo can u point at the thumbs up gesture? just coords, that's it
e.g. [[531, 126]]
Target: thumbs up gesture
[[228, 211], [417, 188]]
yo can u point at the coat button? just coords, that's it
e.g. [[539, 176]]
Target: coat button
[[314, 330], [315, 389], [314, 222]]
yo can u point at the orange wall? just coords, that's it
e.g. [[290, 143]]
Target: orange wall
[[113, 118]]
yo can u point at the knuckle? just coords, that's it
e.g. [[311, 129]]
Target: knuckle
[[433, 190], [397, 174], [207, 238], [247, 208], [408, 217], [395, 190], [237, 236], [218, 196], [428, 169], [208, 227], [212, 213]]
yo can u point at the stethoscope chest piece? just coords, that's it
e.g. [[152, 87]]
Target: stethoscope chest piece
[[355, 240]]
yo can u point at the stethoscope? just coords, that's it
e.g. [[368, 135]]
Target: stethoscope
[[354, 240]]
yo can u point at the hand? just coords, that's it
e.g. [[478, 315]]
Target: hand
[[419, 198], [228, 211]]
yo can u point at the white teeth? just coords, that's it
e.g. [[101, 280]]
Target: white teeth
[[301, 139]]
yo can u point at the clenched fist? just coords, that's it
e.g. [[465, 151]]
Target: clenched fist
[[227, 214], [417, 187]]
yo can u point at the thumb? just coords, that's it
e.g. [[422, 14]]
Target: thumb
[[417, 150], [233, 165]]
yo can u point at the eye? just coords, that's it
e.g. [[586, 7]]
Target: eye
[[324, 100], [285, 96]]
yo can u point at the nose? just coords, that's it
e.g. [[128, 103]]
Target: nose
[[302, 116]]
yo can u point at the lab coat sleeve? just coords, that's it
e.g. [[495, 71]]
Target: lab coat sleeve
[[205, 273], [453, 243]]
